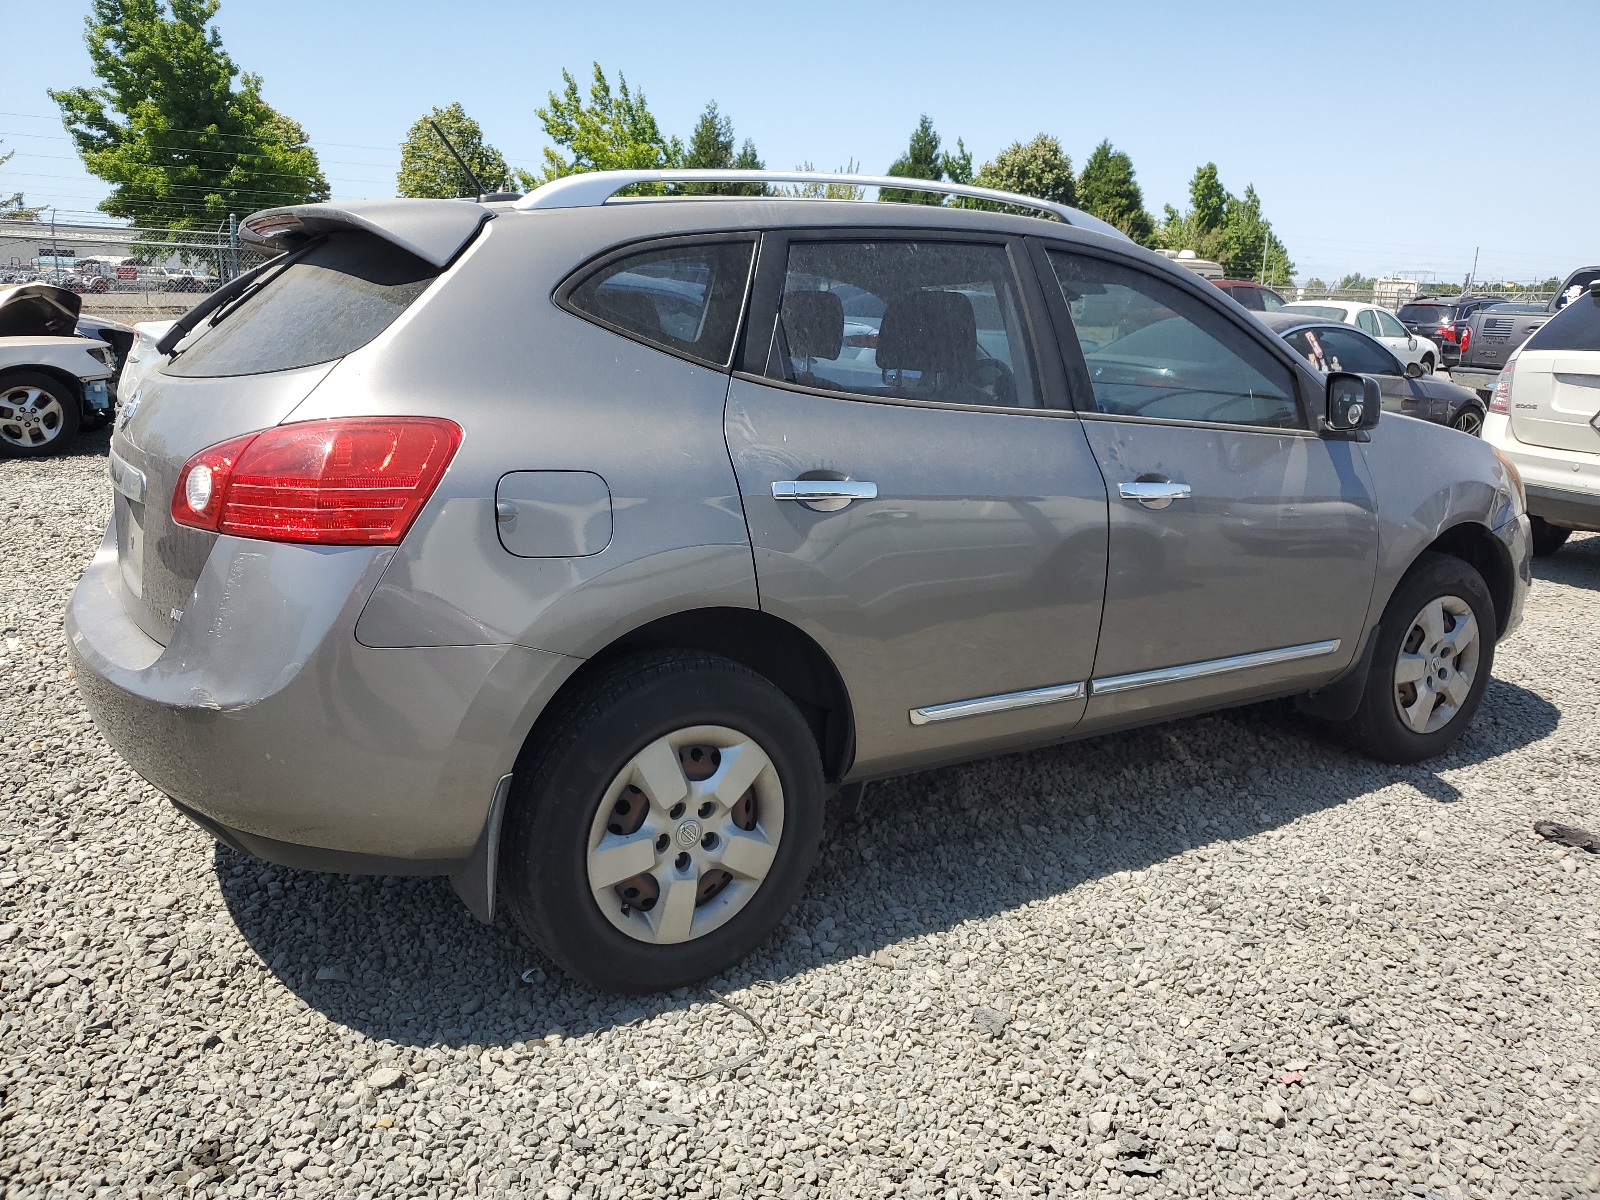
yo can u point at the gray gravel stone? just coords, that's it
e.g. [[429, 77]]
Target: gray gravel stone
[[1225, 942]]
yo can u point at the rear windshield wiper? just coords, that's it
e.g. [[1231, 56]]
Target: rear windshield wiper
[[229, 295]]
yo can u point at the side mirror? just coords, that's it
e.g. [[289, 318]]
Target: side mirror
[[1413, 370], [1354, 402]]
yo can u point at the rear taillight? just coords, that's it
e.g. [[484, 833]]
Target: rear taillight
[[1466, 340], [1447, 331], [352, 481], [1500, 402]]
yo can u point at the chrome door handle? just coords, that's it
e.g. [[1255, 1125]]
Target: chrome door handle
[[825, 495], [1153, 493]]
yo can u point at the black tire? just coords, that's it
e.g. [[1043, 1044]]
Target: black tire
[[1377, 728], [1547, 538], [1427, 364], [18, 441], [563, 777], [1469, 420]]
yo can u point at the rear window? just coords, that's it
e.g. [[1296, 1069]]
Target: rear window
[[341, 295], [1575, 327], [1324, 311], [1422, 314]]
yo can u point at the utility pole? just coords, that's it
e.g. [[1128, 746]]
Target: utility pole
[[55, 251], [1473, 278]]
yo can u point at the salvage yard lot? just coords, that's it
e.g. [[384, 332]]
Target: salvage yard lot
[[1216, 957]]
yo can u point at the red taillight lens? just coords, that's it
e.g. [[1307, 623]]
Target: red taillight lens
[[1448, 331], [353, 481], [1500, 401], [1466, 340]]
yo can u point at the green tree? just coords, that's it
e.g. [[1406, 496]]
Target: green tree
[[825, 191], [1039, 168], [428, 169], [1226, 229], [183, 138], [711, 146], [11, 207], [615, 131], [1108, 190], [921, 160], [1354, 282]]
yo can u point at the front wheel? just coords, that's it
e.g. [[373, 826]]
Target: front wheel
[[1430, 666], [1469, 420], [38, 415], [1547, 538], [664, 825], [1427, 364]]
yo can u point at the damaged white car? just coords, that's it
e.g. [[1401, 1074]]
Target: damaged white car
[[53, 380]]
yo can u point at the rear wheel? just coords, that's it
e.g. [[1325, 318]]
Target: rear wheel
[[1469, 420], [1547, 538], [661, 829], [1430, 666], [38, 415]]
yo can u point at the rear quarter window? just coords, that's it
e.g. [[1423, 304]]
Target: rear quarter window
[[1575, 327], [334, 300]]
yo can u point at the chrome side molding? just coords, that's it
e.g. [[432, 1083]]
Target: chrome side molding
[[1216, 666], [993, 704]]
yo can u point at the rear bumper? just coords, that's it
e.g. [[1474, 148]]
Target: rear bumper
[[1563, 485], [266, 722]]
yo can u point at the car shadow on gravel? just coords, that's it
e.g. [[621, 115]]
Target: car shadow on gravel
[[1577, 564], [400, 960], [94, 443]]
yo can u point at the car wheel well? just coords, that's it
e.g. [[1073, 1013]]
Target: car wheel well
[[1480, 549], [765, 644], [71, 382]]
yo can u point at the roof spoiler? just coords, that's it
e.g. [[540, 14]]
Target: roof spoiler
[[592, 188], [434, 230]]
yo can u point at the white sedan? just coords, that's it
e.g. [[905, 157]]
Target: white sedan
[[1379, 322]]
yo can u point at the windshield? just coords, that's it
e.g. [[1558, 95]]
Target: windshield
[[333, 301]]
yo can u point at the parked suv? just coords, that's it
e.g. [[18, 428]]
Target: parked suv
[[574, 548], [1443, 321], [1544, 416]]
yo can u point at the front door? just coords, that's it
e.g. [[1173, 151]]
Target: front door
[[915, 503], [1243, 547]]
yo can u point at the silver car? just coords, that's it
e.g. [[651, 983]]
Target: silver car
[[578, 547]]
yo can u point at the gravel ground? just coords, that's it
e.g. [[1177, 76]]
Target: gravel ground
[[1217, 957]]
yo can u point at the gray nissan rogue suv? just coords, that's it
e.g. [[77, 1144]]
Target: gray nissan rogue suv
[[575, 547]]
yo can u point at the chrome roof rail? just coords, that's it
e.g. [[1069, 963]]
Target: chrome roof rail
[[589, 189]]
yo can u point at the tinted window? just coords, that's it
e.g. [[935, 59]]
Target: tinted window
[[1575, 327], [1390, 327], [1426, 314], [1248, 296], [1270, 300], [334, 300], [1343, 350], [1153, 350], [681, 297], [911, 320], [1324, 312], [1367, 321]]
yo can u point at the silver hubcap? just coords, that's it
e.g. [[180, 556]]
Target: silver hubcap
[[29, 417], [685, 834], [1469, 422], [1437, 664]]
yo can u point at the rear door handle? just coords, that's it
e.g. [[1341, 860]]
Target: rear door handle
[[825, 495], [1153, 493]]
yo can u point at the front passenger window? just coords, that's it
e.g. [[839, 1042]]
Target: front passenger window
[[1155, 350]]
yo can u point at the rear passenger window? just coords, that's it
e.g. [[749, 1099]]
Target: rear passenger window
[[938, 321], [1154, 350], [685, 298]]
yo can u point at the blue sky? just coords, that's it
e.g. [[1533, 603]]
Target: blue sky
[[1360, 124]]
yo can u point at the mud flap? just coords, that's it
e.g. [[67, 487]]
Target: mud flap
[[475, 883], [1338, 701]]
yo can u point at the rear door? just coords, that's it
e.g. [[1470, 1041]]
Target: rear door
[[1555, 398], [1243, 547], [920, 500]]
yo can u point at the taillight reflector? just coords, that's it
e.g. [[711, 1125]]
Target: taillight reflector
[[351, 481]]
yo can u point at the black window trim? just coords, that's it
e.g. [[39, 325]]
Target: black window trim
[[561, 296], [772, 264], [1309, 386]]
